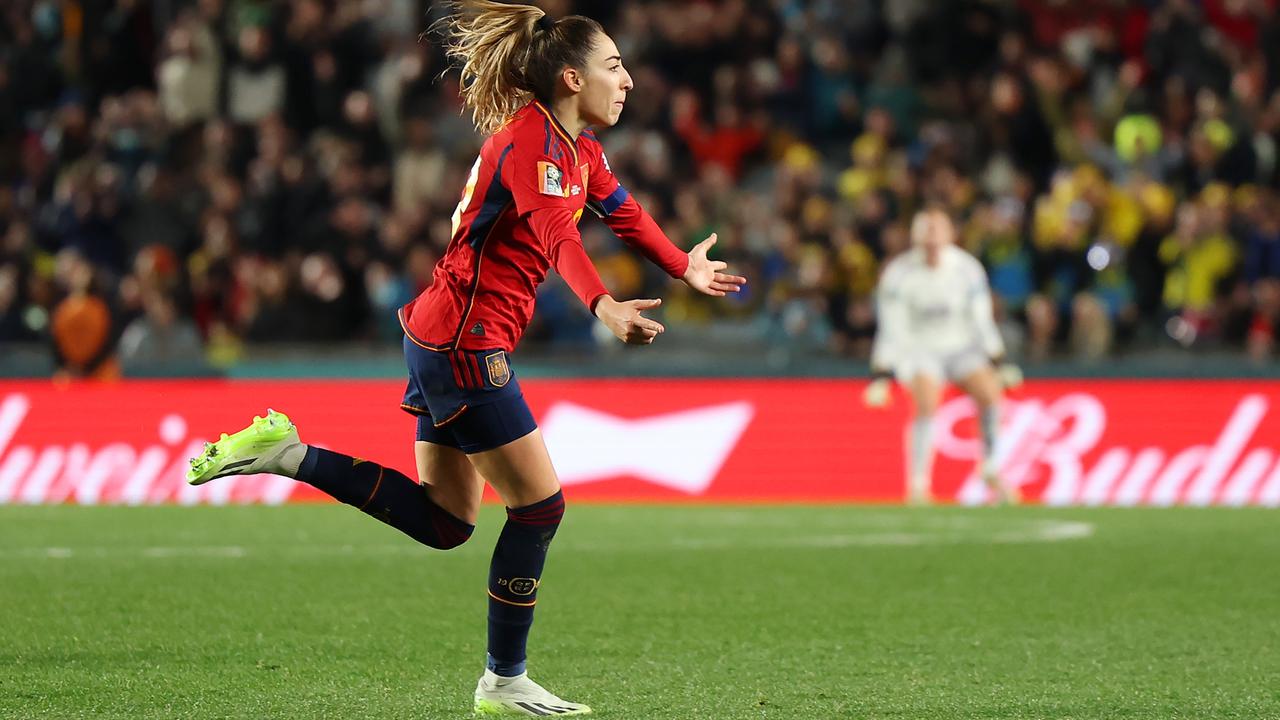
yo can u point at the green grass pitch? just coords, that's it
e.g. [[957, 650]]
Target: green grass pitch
[[648, 612]]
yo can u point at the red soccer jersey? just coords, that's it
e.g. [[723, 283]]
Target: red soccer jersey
[[518, 218]]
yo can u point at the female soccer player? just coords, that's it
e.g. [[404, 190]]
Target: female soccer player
[[935, 325], [535, 84]]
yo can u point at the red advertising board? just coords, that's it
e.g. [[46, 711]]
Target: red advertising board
[[1062, 442]]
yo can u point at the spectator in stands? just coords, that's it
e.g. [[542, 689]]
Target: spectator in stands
[[419, 168], [1199, 256], [160, 337], [12, 326], [256, 82], [81, 325], [190, 75], [1065, 138]]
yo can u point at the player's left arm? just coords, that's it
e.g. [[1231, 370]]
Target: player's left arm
[[608, 199]]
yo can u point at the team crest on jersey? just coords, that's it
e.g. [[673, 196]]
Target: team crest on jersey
[[549, 179], [499, 371]]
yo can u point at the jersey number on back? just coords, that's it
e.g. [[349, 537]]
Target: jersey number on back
[[467, 192]]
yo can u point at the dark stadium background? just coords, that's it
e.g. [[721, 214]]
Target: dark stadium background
[[200, 185]]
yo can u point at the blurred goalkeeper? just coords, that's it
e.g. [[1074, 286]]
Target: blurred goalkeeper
[[936, 325]]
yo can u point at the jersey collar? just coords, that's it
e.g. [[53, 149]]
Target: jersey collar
[[564, 134]]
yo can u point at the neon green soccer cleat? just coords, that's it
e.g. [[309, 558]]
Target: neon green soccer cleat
[[254, 449], [496, 695]]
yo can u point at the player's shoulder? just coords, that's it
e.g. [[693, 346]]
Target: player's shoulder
[[528, 127], [901, 264], [965, 261]]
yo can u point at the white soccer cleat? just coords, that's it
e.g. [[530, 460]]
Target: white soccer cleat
[[919, 492], [255, 449], [920, 499], [1005, 493], [497, 695]]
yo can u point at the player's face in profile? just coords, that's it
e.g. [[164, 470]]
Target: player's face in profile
[[605, 84]]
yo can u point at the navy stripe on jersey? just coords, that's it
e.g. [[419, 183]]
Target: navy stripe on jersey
[[546, 144], [475, 278], [496, 198], [606, 206]]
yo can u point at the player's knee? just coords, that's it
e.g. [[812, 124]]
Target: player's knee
[[446, 531], [551, 517], [544, 516], [459, 536], [926, 398], [986, 394]]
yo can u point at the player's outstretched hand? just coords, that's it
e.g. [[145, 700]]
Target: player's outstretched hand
[[877, 393], [704, 274], [625, 321]]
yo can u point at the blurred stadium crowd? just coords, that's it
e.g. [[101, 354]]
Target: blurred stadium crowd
[[182, 178]]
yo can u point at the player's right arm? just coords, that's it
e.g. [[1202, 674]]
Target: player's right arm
[[891, 334], [535, 181]]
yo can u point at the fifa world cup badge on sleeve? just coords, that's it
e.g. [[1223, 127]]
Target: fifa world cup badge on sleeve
[[499, 372], [549, 179]]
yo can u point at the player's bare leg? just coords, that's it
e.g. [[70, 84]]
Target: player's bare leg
[[522, 474], [451, 480], [984, 387], [926, 393]]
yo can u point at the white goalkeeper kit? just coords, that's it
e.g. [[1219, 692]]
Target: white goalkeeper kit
[[934, 321]]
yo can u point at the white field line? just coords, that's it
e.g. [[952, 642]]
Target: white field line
[[1037, 531], [947, 531]]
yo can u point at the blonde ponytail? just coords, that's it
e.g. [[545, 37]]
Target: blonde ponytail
[[491, 41], [507, 59]]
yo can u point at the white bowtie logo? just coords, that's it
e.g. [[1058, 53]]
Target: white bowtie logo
[[683, 450]]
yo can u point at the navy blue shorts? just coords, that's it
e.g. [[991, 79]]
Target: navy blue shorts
[[466, 399]]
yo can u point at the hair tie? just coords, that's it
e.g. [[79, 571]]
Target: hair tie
[[546, 22]]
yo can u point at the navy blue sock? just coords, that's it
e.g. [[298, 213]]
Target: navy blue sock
[[514, 577], [385, 494]]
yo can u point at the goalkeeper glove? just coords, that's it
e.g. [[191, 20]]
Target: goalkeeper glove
[[877, 393], [1010, 375]]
